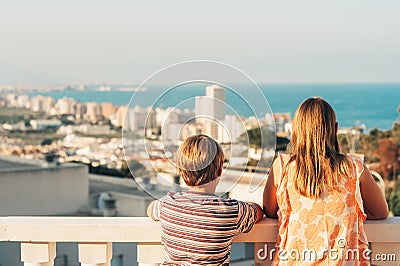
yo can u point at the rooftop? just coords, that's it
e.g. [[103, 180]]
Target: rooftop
[[6, 166], [17, 164]]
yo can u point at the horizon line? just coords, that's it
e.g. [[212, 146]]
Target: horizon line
[[24, 84]]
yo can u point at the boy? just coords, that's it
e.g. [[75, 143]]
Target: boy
[[198, 226]]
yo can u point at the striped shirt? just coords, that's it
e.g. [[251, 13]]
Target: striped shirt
[[198, 228]]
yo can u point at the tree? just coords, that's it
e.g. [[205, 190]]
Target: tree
[[394, 202], [368, 144], [388, 153], [396, 133], [254, 137]]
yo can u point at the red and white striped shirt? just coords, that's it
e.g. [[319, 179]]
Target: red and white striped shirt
[[198, 228]]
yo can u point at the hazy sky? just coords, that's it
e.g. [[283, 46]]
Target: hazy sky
[[272, 41]]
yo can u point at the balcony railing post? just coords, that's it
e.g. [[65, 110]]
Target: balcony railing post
[[150, 254], [38, 254], [95, 254]]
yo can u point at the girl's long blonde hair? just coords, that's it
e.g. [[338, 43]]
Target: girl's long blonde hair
[[315, 149]]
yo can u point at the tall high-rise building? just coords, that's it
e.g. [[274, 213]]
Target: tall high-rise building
[[93, 111], [135, 119], [80, 110], [120, 115], [210, 111], [65, 106], [218, 105], [108, 109], [41, 103], [23, 101]]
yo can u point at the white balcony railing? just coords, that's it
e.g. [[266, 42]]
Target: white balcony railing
[[95, 235]]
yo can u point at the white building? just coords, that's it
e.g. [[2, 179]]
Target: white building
[[73, 141], [189, 129], [17, 126], [171, 132], [80, 110], [171, 121], [23, 101], [288, 129], [41, 103], [269, 118], [65, 105], [185, 115], [11, 99], [46, 189], [280, 120], [232, 129], [93, 111], [120, 116], [210, 111], [169, 115], [39, 188], [202, 108], [151, 116], [45, 123], [218, 106], [86, 129], [135, 118]]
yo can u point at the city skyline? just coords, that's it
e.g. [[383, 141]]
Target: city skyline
[[96, 42], [376, 104]]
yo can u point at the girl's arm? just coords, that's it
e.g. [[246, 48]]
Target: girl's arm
[[270, 203], [375, 205]]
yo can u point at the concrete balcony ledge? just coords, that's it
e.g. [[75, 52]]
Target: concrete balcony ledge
[[96, 234], [143, 229]]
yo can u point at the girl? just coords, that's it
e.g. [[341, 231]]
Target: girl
[[320, 195]]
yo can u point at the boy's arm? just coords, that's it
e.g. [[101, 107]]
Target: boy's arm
[[150, 208], [260, 212], [249, 214]]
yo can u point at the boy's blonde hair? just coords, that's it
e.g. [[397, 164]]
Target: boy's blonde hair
[[199, 160]]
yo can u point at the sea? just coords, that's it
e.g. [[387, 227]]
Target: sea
[[374, 105]]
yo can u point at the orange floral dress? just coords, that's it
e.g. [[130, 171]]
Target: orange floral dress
[[324, 231]]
